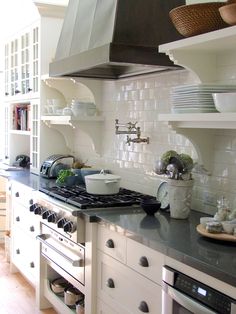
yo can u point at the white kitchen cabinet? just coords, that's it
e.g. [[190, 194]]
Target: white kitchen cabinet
[[122, 285], [24, 228], [145, 261], [3, 207], [27, 57], [205, 55], [22, 64]]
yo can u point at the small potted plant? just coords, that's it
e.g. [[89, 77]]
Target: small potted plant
[[66, 178], [176, 168]]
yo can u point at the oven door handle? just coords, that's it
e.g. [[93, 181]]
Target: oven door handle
[[76, 263], [188, 303]]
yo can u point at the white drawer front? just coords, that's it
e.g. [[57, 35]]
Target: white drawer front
[[24, 219], [144, 260], [130, 291], [112, 243], [22, 194], [103, 308], [25, 254]]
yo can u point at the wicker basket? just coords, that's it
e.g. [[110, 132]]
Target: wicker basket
[[199, 18]]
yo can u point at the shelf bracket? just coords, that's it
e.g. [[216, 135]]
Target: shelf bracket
[[203, 142], [202, 64]]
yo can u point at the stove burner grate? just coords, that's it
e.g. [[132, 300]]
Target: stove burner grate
[[78, 197]]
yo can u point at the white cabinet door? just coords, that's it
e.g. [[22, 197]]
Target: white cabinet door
[[112, 243], [145, 260], [34, 112], [124, 288]]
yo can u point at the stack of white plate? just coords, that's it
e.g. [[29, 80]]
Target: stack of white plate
[[196, 98]]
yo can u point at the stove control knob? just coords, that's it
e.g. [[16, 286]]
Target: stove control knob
[[32, 207], [45, 214], [52, 217], [61, 222], [69, 226], [38, 210]]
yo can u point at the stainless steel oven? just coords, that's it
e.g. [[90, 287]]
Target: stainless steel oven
[[63, 255], [62, 251], [182, 294]]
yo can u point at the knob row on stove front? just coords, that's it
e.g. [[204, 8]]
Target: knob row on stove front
[[53, 217]]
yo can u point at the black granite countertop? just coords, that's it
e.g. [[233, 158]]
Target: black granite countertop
[[175, 238]]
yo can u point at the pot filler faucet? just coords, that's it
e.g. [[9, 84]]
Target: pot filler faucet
[[131, 128]]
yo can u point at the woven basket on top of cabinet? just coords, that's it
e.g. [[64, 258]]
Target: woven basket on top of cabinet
[[198, 18]]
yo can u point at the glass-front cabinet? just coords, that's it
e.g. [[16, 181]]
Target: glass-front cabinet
[[22, 64], [27, 57]]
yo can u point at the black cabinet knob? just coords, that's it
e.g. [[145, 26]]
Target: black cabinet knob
[[143, 261], [32, 229], [110, 283], [17, 218], [17, 91], [110, 243], [31, 201], [143, 307], [31, 264], [17, 194], [17, 251]]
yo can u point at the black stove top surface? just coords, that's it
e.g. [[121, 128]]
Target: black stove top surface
[[78, 197]]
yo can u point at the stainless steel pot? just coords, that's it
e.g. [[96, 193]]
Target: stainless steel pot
[[72, 295], [102, 183], [58, 285]]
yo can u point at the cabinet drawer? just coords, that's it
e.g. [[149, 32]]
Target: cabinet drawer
[[144, 260], [103, 308], [112, 243], [117, 283], [24, 254], [22, 194], [24, 219]]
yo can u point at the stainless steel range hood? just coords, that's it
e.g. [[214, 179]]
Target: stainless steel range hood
[[112, 39]]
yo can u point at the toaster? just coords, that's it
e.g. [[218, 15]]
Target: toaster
[[54, 163]]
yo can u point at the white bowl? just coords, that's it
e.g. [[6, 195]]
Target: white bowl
[[205, 220], [225, 102], [83, 109], [229, 226]]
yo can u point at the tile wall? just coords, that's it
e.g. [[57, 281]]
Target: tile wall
[[141, 99]]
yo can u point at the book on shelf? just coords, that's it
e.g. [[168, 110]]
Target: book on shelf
[[21, 117]]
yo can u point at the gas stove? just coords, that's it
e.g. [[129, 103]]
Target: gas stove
[[78, 197]]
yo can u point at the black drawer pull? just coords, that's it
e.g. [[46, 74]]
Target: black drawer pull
[[17, 218], [32, 265], [143, 307], [32, 228], [31, 201], [143, 261], [110, 244], [17, 251], [110, 283], [17, 194]]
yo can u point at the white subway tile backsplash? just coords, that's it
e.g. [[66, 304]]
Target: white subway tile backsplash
[[141, 99]]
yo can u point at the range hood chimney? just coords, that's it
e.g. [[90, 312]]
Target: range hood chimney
[[112, 39]]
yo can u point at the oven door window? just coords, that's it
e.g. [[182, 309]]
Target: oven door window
[[179, 309]]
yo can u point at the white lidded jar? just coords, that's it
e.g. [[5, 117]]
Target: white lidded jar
[[102, 183]]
